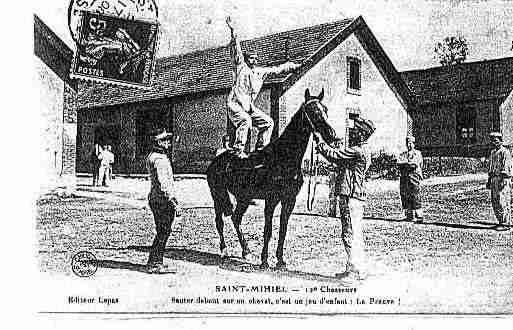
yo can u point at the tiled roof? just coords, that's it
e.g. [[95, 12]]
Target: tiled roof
[[462, 82], [210, 69]]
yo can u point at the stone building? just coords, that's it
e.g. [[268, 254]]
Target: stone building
[[188, 96], [58, 119]]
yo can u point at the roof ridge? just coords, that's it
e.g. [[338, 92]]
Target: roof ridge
[[206, 50], [43, 28], [442, 67], [345, 20]]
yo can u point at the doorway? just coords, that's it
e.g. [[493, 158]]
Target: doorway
[[109, 135]]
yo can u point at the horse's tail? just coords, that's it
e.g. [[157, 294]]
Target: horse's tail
[[216, 179]]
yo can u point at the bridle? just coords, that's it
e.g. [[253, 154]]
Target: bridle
[[312, 126], [314, 159]]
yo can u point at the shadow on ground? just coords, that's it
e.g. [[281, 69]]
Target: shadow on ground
[[479, 225], [493, 224], [231, 263], [114, 264], [107, 191]]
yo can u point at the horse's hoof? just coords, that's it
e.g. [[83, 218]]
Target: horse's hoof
[[264, 265], [281, 265], [245, 253]]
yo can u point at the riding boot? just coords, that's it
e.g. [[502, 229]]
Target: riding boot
[[238, 150], [419, 215], [410, 215]]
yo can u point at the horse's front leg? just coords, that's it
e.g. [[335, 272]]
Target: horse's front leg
[[220, 229], [242, 206], [270, 205], [287, 206]]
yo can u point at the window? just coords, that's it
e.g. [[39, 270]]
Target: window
[[352, 113], [353, 75], [466, 125]]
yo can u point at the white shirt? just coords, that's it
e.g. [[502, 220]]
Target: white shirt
[[248, 81], [413, 156], [106, 157]]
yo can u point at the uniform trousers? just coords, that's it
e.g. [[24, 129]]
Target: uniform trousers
[[95, 169], [164, 215], [243, 121], [333, 196], [410, 194], [103, 175], [501, 199], [351, 216]]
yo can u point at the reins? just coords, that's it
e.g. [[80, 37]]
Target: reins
[[313, 168]]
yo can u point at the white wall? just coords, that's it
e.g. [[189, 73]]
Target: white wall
[[377, 101], [506, 119], [51, 93]]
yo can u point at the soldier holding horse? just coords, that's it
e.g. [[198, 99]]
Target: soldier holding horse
[[352, 164]]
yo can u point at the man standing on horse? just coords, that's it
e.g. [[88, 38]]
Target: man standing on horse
[[352, 163], [162, 200], [248, 81]]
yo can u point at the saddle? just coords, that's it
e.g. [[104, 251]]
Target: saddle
[[259, 168], [253, 161]]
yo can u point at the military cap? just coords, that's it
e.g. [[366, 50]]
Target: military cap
[[496, 134], [161, 134], [365, 125]]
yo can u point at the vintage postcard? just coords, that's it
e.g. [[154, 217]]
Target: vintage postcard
[[284, 158]]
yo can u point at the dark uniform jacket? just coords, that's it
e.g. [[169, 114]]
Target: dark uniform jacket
[[352, 165]]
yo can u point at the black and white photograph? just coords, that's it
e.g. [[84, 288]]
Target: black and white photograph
[[226, 158]]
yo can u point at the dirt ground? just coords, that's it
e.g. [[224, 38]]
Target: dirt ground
[[453, 263]]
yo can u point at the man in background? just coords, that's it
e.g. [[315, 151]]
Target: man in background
[[410, 166], [106, 160], [95, 163], [500, 170], [162, 198]]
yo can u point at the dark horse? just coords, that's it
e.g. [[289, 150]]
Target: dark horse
[[273, 174]]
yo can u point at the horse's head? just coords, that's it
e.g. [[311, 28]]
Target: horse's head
[[316, 116]]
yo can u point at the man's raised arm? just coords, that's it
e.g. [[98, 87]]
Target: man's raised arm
[[282, 68], [235, 49]]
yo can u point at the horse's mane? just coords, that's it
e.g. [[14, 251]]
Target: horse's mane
[[290, 137]]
